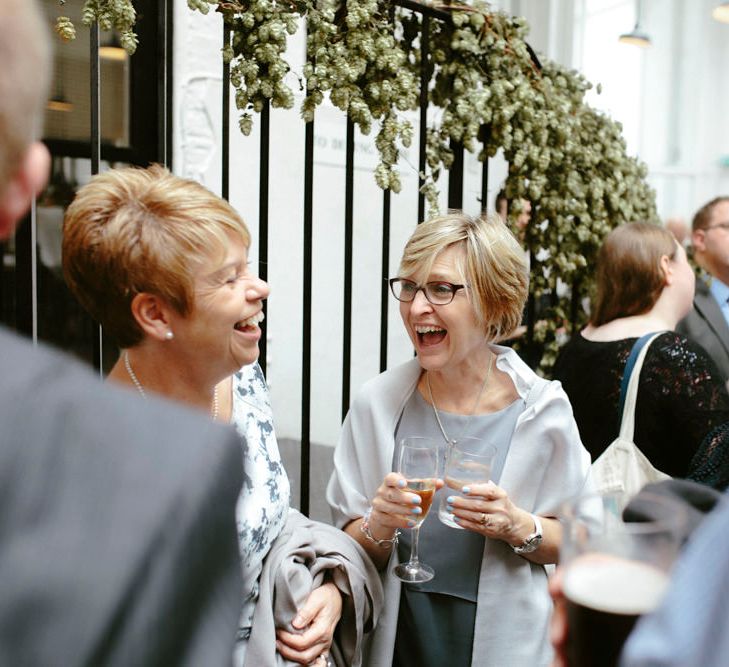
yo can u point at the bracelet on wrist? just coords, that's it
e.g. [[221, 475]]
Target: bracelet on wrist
[[365, 528]]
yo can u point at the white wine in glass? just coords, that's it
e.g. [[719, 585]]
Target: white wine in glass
[[418, 464]]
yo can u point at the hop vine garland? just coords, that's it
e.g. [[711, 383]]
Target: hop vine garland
[[110, 14], [566, 158]]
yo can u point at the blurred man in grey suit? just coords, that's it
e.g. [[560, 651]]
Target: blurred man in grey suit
[[708, 321], [117, 519]]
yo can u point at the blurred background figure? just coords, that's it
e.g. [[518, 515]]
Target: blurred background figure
[[680, 230], [644, 285], [117, 523], [707, 322], [521, 222]]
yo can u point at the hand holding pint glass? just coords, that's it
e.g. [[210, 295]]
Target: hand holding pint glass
[[614, 571]]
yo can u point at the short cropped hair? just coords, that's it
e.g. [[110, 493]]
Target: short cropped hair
[[629, 274], [494, 266], [24, 67], [134, 230], [702, 217]]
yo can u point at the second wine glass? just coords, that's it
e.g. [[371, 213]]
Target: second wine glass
[[418, 464]]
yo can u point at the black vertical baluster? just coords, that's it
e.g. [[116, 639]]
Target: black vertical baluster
[[225, 152], [34, 270], [455, 177], [424, 78], [306, 333], [348, 233], [263, 192], [24, 250], [162, 74], [385, 275], [95, 101], [485, 171], [165, 83], [169, 110]]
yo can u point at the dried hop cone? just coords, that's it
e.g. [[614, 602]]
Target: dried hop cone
[[65, 29]]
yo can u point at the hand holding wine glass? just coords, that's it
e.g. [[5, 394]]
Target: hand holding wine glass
[[418, 464]]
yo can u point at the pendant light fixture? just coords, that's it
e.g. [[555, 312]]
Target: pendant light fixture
[[59, 102], [112, 50], [721, 12], [636, 36]]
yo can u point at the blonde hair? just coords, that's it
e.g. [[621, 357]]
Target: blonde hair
[[494, 266], [629, 274], [24, 66], [141, 230]]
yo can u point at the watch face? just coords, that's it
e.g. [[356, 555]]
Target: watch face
[[530, 544]]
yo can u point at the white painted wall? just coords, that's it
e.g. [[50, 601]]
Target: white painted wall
[[671, 99]]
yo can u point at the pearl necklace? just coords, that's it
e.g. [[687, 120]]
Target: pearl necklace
[[473, 409], [135, 381]]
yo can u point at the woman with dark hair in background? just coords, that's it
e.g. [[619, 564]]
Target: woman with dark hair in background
[[644, 285]]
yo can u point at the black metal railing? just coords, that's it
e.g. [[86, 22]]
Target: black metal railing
[[158, 147], [455, 200]]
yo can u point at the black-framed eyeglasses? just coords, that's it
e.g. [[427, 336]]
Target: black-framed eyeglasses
[[439, 293]]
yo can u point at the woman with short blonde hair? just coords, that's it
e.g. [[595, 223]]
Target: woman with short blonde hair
[[461, 286]]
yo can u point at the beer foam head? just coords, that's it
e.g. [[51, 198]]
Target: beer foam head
[[615, 585]]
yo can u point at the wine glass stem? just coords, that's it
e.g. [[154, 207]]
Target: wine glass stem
[[415, 534]]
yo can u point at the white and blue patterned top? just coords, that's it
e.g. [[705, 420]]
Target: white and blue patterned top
[[263, 503]]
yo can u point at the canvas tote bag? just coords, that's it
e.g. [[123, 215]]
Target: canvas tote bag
[[622, 466]]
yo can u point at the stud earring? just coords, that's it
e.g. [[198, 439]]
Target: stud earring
[[169, 335]]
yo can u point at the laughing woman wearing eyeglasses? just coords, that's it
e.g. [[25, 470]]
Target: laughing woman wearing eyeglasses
[[462, 284]]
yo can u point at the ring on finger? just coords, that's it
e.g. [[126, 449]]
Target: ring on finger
[[484, 519]]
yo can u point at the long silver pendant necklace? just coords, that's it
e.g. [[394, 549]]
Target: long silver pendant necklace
[[470, 414], [135, 381]]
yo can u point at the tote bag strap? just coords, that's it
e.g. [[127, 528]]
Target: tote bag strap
[[629, 388]]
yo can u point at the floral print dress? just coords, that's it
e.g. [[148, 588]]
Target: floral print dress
[[263, 503]]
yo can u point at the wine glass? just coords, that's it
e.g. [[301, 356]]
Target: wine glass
[[418, 464]]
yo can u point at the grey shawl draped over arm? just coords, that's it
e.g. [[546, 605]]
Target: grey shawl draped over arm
[[303, 554]]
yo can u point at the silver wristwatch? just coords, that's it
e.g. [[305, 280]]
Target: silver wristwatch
[[532, 541]]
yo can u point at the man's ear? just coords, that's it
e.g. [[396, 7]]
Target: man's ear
[[698, 239], [25, 184], [152, 314]]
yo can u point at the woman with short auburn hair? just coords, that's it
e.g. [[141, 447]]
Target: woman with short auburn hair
[[461, 286], [162, 264], [644, 285]]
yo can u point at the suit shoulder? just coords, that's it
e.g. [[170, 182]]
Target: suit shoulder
[[50, 398]]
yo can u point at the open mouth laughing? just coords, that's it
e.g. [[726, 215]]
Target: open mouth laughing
[[430, 334], [250, 324]]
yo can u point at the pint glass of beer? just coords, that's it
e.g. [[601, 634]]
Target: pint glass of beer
[[614, 570]]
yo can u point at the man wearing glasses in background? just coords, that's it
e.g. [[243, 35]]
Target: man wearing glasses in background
[[708, 321]]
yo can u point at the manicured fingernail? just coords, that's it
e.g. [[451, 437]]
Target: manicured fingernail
[[456, 519], [416, 510], [450, 500], [466, 489], [416, 500], [411, 523], [449, 509], [401, 483]]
